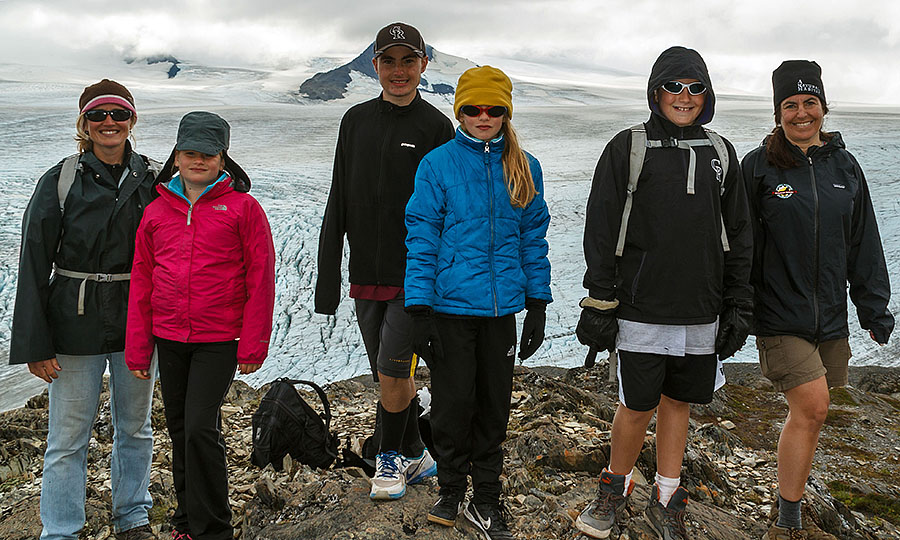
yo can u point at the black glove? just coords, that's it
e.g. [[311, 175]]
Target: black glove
[[880, 333], [735, 324], [426, 342], [597, 328], [533, 327]]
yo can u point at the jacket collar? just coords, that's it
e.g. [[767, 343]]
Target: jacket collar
[[663, 127], [387, 106], [494, 145], [176, 187]]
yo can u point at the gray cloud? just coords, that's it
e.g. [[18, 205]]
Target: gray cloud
[[856, 43]]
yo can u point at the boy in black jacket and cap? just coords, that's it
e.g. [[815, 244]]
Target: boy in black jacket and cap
[[380, 144], [673, 294]]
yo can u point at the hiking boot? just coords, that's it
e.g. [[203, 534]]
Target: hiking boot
[[598, 518], [141, 532], [420, 468], [446, 509], [780, 533], [389, 481], [489, 520], [812, 530], [668, 521]]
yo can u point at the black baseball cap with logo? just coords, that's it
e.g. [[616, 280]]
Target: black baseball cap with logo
[[399, 33]]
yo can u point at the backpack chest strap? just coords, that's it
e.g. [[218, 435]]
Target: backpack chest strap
[[639, 146], [684, 144]]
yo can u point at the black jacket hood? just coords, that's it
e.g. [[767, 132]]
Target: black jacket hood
[[681, 63]]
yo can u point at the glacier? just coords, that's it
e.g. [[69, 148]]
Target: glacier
[[286, 144]]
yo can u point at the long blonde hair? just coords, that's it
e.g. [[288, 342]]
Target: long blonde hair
[[85, 144], [516, 171]]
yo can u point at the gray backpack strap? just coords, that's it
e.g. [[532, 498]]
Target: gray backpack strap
[[639, 145], [689, 144], [66, 179], [635, 164], [154, 166], [721, 149]]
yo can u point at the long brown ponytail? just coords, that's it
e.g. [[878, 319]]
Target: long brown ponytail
[[516, 171]]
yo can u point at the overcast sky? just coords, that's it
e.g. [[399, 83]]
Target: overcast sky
[[857, 43]]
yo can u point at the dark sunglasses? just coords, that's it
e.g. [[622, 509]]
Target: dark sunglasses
[[99, 115], [676, 87], [494, 111]]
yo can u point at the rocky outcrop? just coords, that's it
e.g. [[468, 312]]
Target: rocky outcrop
[[558, 442]]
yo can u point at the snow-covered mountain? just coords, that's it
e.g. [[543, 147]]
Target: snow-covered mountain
[[440, 78]]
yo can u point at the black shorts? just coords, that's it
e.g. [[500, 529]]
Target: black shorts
[[644, 377], [387, 334]]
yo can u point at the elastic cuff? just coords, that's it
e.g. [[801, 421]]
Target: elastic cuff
[[602, 305], [416, 311], [535, 303]]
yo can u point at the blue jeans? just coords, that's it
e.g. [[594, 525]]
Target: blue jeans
[[74, 400]]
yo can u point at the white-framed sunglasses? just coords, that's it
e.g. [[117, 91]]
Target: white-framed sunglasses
[[676, 87]]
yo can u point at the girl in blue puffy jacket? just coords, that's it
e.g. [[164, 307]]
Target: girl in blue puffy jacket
[[476, 224]]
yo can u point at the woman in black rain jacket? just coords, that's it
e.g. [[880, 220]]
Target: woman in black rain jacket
[[814, 232]]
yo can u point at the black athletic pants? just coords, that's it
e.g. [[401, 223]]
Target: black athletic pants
[[470, 388], [194, 378]]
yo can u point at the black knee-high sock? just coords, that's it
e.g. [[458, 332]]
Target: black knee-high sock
[[393, 424], [412, 445]]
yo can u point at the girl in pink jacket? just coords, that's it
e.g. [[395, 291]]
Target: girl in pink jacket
[[202, 292]]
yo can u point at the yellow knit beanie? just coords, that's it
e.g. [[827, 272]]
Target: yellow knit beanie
[[483, 85]]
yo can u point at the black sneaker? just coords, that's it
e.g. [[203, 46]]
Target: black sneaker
[[446, 509], [668, 521], [490, 520]]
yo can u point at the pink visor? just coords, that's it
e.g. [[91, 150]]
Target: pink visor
[[106, 99]]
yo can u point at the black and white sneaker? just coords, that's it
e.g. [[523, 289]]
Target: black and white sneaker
[[446, 509], [489, 520]]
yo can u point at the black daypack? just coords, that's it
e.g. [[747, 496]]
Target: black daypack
[[285, 424]]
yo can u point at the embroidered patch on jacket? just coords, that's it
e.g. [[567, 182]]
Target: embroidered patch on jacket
[[220, 207], [408, 145], [783, 191]]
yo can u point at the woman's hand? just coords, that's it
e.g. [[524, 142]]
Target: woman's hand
[[143, 374], [45, 369], [247, 369]]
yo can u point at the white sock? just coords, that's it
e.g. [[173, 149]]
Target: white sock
[[667, 487], [628, 480]]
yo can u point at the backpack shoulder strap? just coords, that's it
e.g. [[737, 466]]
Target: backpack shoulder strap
[[635, 164], [154, 166], [66, 179], [719, 144], [326, 416]]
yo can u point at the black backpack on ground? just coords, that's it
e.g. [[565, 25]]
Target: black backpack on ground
[[285, 424]]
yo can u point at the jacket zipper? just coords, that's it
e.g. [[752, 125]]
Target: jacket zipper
[[487, 166], [815, 193]]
